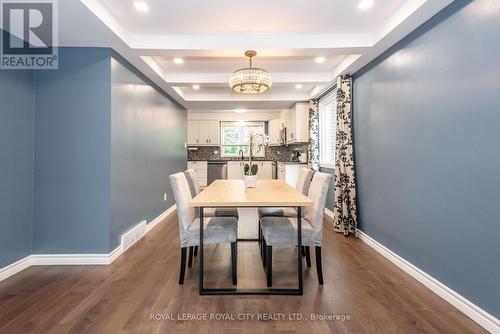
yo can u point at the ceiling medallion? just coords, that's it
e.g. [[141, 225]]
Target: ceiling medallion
[[250, 80]]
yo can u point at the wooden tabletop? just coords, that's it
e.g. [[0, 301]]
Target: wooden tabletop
[[222, 193]]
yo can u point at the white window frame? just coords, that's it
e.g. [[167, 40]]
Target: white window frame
[[243, 142], [327, 123]]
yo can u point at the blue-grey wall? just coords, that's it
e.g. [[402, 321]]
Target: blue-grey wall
[[148, 136], [427, 136], [16, 164], [73, 153], [86, 151]]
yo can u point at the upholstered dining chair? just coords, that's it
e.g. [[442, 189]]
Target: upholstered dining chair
[[303, 182], [302, 185], [216, 230], [278, 231], [195, 188]]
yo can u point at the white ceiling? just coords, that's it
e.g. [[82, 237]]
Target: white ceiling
[[211, 37], [202, 17]]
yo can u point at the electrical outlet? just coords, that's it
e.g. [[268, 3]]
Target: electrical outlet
[[164, 197]]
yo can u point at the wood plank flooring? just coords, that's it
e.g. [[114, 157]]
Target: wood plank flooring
[[142, 284]]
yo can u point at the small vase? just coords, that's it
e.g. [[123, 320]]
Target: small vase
[[250, 181]]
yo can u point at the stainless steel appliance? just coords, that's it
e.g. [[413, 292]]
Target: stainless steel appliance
[[217, 170]]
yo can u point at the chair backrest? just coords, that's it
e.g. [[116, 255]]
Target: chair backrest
[[305, 176], [192, 179], [182, 196], [318, 191]]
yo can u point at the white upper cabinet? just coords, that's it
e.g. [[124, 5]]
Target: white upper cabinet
[[298, 123], [203, 133], [193, 132], [274, 132]]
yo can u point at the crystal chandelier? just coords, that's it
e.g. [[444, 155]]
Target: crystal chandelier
[[250, 80]]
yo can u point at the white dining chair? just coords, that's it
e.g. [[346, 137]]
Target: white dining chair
[[303, 182], [216, 230], [194, 187], [281, 231]]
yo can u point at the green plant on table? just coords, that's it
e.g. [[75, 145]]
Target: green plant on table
[[255, 141]]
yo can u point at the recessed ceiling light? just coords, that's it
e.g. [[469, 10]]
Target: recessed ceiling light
[[298, 86], [178, 61], [196, 87], [240, 110], [320, 59], [141, 6], [365, 4]]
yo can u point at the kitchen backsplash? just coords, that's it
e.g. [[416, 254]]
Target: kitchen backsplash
[[273, 153]]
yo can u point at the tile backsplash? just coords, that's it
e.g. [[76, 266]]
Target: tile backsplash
[[274, 153]]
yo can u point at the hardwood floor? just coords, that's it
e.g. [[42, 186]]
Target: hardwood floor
[[141, 284]]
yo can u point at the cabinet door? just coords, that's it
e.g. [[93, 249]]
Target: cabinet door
[[274, 131], [193, 132], [292, 125], [302, 122], [204, 132], [213, 133], [234, 170], [265, 170]]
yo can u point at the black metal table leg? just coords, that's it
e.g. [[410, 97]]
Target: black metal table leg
[[299, 249], [262, 292], [200, 260]]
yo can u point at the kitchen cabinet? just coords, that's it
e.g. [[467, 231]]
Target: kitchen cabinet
[[235, 169], [201, 169], [275, 126], [203, 133], [265, 170], [298, 123], [290, 172]]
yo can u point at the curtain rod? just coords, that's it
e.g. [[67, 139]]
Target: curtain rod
[[326, 92]]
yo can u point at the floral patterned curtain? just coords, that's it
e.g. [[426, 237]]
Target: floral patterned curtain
[[314, 134], [345, 214]]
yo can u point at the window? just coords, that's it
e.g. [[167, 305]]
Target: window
[[327, 129], [234, 138]]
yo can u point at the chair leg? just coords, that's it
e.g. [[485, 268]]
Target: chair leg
[[264, 253], [190, 260], [269, 252], [260, 234], [319, 267], [195, 250], [303, 249], [234, 261], [183, 265], [308, 256]]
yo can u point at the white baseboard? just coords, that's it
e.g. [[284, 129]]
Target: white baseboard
[[15, 267], [152, 224], [74, 259], [329, 213], [483, 318]]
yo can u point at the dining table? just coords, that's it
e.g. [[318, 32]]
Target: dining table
[[234, 194]]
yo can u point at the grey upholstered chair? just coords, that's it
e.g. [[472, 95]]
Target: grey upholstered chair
[[216, 229], [195, 189], [283, 230], [303, 183]]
